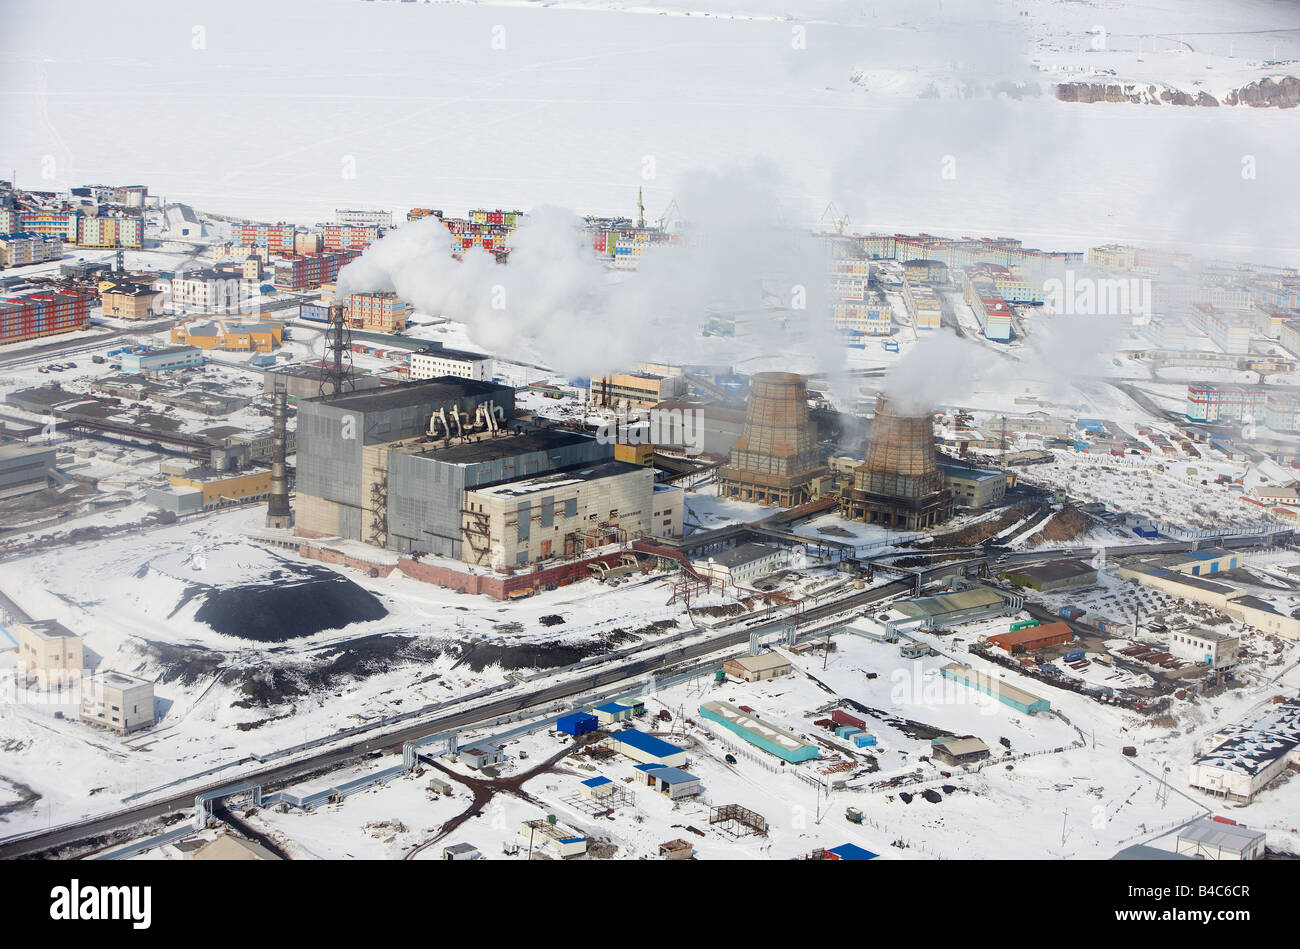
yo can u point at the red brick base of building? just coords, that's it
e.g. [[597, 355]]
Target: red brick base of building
[[497, 586]]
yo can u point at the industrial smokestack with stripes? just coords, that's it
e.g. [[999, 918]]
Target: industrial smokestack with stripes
[[278, 513]]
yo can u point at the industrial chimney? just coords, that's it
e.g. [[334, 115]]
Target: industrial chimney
[[278, 513], [899, 485], [336, 366]]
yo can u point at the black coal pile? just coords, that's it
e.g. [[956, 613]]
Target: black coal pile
[[314, 600]]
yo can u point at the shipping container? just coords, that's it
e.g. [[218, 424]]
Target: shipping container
[[841, 717]]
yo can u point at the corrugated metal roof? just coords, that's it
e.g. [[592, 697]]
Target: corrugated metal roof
[[1213, 833], [942, 603], [647, 743]]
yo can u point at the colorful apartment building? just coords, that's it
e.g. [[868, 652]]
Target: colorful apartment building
[[110, 231], [61, 224], [380, 312], [309, 271], [276, 238], [43, 314], [994, 317], [871, 317], [349, 236], [1207, 402]]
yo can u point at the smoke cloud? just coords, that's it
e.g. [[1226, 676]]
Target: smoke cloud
[[554, 301]]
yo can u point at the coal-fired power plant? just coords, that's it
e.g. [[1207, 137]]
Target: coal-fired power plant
[[899, 485], [776, 458]]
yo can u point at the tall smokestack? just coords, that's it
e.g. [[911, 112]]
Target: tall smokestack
[[278, 513]]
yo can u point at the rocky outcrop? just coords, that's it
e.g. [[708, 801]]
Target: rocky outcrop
[[1282, 93]]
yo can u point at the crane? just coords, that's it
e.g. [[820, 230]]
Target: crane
[[839, 220], [667, 217]]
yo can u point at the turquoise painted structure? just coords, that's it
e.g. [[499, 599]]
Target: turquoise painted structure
[[798, 750], [1004, 692]]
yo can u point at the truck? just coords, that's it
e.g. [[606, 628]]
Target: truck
[[853, 815]]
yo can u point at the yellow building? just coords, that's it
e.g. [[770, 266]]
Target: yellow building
[[128, 301], [239, 336], [217, 488], [634, 454], [639, 390], [49, 650]]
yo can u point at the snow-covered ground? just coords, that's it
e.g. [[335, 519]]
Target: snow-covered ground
[[460, 105]]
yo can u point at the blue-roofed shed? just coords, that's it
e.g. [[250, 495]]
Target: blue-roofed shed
[[647, 749], [673, 782], [597, 787], [612, 712], [849, 852], [579, 723]]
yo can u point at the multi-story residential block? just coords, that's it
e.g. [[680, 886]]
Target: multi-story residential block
[[350, 236], [43, 314], [126, 300], [61, 224], [276, 238], [1230, 331], [208, 291], [379, 312], [923, 305], [112, 231], [872, 317], [1207, 402], [309, 271], [363, 218], [19, 249], [1282, 411]]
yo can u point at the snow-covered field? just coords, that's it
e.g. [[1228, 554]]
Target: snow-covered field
[[1062, 789], [339, 103]]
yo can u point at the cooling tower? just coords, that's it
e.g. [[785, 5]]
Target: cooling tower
[[899, 484], [776, 458]]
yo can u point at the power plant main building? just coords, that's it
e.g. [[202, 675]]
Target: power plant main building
[[443, 467]]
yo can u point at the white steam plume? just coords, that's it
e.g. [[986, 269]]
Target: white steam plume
[[555, 301]]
